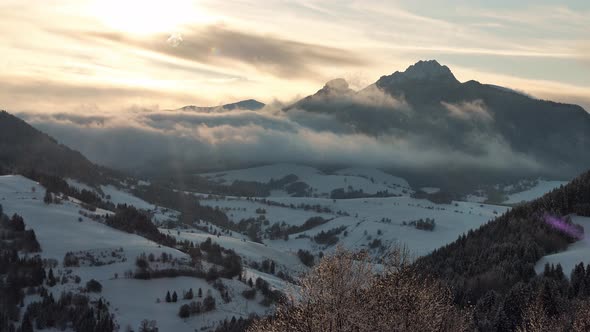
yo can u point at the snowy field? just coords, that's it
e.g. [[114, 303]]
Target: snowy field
[[368, 219], [541, 188], [369, 180]]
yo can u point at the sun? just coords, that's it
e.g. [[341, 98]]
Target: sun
[[147, 16]]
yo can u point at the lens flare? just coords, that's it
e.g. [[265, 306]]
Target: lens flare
[[560, 224]]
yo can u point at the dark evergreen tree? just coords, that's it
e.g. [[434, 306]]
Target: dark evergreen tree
[[48, 199], [208, 303], [168, 298], [185, 311], [93, 286], [189, 295], [51, 278]]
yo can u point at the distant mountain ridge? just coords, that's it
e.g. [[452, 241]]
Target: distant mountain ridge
[[462, 117], [248, 104]]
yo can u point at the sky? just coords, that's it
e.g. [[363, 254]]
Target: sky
[[101, 56]]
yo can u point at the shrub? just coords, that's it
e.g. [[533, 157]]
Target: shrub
[[93, 286]]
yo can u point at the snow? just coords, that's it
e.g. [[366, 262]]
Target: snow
[[430, 190], [366, 214], [377, 175], [369, 180], [57, 227], [251, 251], [575, 253], [541, 188], [480, 198], [144, 306], [121, 196], [79, 185], [238, 209], [58, 231]]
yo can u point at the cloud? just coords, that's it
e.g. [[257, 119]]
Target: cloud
[[373, 96], [155, 139], [175, 40], [219, 45], [469, 110]]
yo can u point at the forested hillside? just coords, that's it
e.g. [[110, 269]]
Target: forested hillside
[[493, 267], [24, 149]]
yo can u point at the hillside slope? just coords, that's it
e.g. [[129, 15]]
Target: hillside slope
[[494, 266], [24, 149]]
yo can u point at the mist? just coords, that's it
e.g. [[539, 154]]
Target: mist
[[144, 139]]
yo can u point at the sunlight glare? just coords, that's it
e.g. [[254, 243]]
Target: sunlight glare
[[148, 16]]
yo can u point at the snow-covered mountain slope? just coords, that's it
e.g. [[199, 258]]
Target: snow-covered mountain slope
[[365, 219], [121, 196], [539, 189], [286, 260], [369, 180], [575, 253], [59, 230]]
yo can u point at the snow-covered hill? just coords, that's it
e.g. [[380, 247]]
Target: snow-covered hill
[[365, 219], [369, 180], [121, 196], [60, 228], [539, 189]]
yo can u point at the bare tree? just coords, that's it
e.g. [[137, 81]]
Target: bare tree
[[148, 326], [346, 292]]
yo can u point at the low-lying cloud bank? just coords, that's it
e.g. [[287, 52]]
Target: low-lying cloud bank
[[147, 140]]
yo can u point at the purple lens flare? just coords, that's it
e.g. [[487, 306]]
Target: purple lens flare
[[562, 225]]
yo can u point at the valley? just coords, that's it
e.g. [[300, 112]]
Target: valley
[[276, 229]]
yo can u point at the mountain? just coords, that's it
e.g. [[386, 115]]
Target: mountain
[[424, 71], [24, 149], [249, 104], [428, 104]]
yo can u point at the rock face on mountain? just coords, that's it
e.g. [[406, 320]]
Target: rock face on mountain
[[431, 106], [428, 71], [24, 149]]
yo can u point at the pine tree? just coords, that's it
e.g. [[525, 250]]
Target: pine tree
[[200, 293], [174, 297], [168, 299], [48, 199], [51, 278], [189, 295]]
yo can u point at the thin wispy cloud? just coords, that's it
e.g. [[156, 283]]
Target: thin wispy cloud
[[217, 45]]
